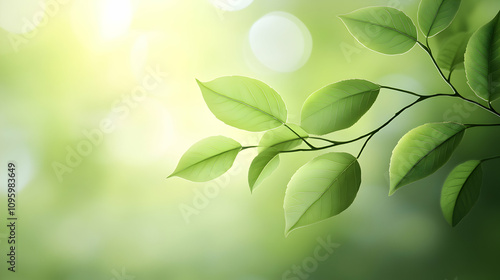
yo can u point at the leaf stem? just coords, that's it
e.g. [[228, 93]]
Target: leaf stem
[[491, 158], [428, 50], [449, 75], [302, 138], [482, 125], [364, 145], [402, 90], [248, 147]]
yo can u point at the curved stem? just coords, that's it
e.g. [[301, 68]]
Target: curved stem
[[402, 90], [491, 158], [478, 104], [302, 138], [370, 134], [248, 147], [449, 75], [492, 108], [427, 49], [364, 145], [482, 125], [323, 139], [489, 109]]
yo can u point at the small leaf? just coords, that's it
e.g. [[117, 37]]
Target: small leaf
[[207, 159], [482, 61], [461, 191], [244, 103], [338, 106], [382, 29], [262, 166], [322, 188], [435, 16], [273, 142], [422, 151], [282, 138], [451, 56]]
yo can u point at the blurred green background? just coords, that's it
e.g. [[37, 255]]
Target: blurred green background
[[99, 102]]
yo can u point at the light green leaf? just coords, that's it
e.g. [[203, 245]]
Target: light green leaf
[[435, 16], [282, 138], [461, 191], [273, 142], [322, 188], [338, 106], [262, 166], [422, 151], [382, 29], [207, 159], [482, 61], [244, 103], [451, 55]]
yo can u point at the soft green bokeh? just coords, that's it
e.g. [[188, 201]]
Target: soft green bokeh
[[116, 82]]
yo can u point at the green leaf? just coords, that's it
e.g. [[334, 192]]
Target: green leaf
[[338, 106], [482, 61], [382, 29], [422, 151], [207, 159], [282, 138], [322, 188], [451, 55], [273, 142], [244, 103], [262, 166], [461, 191], [435, 16]]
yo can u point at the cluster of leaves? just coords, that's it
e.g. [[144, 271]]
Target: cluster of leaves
[[328, 184]]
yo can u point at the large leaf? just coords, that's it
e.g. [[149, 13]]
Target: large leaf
[[244, 103], [338, 106], [207, 159], [322, 188], [382, 29], [482, 61], [435, 16], [262, 166], [461, 190], [451, 55], [272, 142], [422, 151]]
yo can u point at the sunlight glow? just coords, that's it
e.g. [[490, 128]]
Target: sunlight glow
[[115, 18]]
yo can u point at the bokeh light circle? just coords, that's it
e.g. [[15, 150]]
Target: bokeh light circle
[[231, 5], [280, 41]]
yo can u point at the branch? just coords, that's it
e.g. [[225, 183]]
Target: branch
[[491, 158], [489, 109], [370, 134]]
